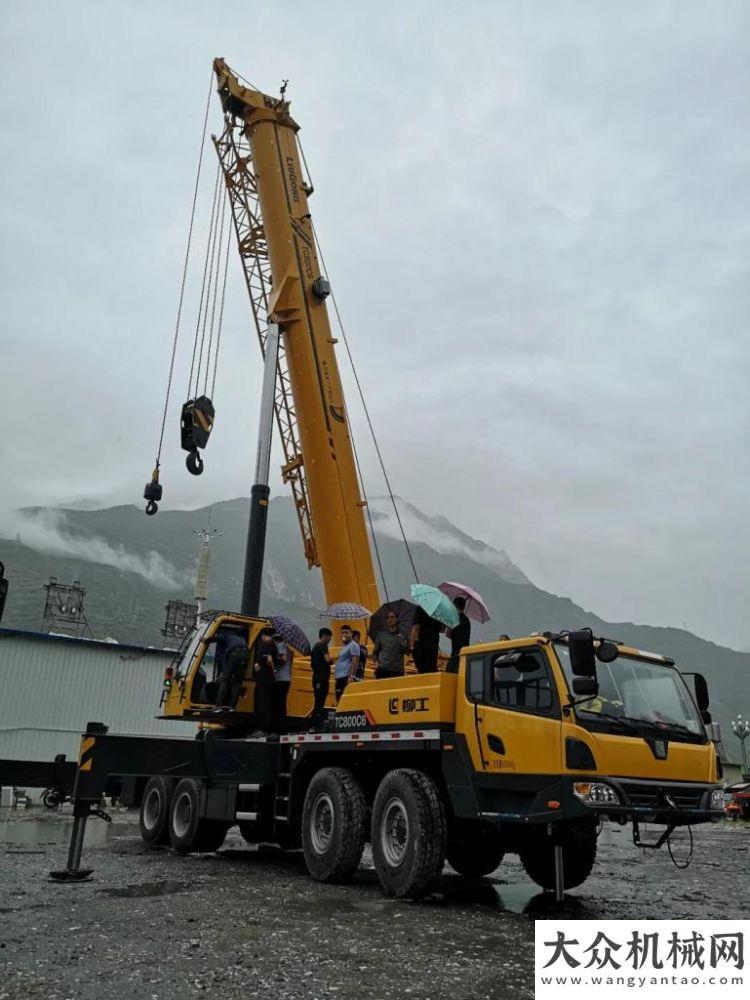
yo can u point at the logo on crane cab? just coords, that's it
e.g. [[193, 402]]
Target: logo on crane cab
[[398, 705]]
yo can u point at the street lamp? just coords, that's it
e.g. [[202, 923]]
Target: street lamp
[[741, 729]]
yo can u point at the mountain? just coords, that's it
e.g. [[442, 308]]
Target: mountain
[[132, 565]]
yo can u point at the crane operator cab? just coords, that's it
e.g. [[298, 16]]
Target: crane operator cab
[[212, 679]]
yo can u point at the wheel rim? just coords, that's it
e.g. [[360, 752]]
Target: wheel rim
[[394, 832], [183, 813], [152, 809], [321, 823]]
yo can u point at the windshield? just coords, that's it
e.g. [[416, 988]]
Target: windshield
[[637, 691]]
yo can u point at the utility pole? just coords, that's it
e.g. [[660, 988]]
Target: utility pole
[[741, 729], [204, 562]]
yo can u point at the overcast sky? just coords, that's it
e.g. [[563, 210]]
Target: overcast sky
[[536, 218]]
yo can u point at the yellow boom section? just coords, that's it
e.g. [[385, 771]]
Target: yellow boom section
[[339, 542]]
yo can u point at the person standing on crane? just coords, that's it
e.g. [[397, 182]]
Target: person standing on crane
[[282, 682], [232, 653], [266, 663], [425, 642], [459, 635], [389, 649], [348, 659], [320, 664]]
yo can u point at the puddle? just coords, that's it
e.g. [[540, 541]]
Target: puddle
[[34, 834], [144, 890]]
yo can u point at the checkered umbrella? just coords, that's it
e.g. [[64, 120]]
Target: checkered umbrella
[[291, 633], [344, 611]]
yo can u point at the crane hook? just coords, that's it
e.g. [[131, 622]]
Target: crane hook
[[194, 462], [153, 492]]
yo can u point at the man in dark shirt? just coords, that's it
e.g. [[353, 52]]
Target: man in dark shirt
[[459, 635], [266, 661], [389, 649], [425, 642], [320, 664], [232, 654]]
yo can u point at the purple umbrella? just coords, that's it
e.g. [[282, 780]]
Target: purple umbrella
[[291, 633], [475, 609]]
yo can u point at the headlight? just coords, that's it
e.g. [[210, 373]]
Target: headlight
[[717, 798], [595, 793]]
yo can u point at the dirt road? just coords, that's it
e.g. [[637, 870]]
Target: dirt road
[[249, 923]]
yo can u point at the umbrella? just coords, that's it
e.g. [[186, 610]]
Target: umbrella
[[434, 603], [404, 611], [291, 632], [344, 611], [475, 609]]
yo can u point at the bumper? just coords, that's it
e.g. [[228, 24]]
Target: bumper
[[674, 803]]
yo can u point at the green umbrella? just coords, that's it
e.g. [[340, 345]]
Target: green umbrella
[[434, 603]]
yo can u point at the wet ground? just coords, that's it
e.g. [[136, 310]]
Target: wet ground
[[247, 923]]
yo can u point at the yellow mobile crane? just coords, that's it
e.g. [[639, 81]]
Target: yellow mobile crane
[[528, 748]]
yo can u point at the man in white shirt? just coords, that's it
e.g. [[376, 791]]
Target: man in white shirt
[[348, 659]]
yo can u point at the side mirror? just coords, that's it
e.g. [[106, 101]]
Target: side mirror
[[3, 589], [702, 698], [606, 651], [585, 686], [581, 648]]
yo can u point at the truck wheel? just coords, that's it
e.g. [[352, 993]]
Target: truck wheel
[[409, 833], [333, 825], [154, 813], [187, 830], [249, 831], [579, 854], [474, 851]]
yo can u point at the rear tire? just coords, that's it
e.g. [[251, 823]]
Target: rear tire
[[579, 854], [474, 850], [187, 830], [333, 825], [154, 813], [249, 831], [409, 833]]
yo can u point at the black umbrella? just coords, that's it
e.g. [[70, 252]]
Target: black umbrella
[[404, 611]]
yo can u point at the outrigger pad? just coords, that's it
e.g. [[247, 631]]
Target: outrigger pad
[[72, 875]]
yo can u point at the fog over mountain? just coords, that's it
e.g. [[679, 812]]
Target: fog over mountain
[[132, 565]]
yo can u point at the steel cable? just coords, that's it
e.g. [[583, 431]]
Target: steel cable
[[184, 271]]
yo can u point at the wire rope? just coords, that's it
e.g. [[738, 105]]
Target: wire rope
[[221, 310], [202, 314], [223, 203], [184, 272]]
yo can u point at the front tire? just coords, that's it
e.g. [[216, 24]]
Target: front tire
[[409, 833], [474, 851], [333, 825], [579, 854], [154, 812], [187, 830]]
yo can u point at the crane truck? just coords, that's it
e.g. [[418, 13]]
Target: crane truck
[[528, 748]]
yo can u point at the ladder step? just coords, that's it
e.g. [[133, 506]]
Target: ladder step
[[249, 788], [283, 774], [246, 815], [281, 819]]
